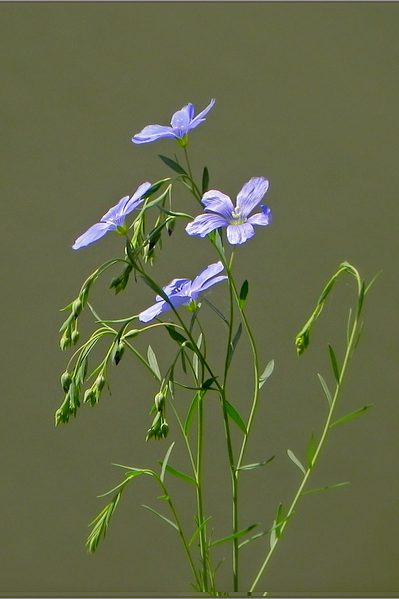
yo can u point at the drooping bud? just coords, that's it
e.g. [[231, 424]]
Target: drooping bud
[[66, 381], [99, 383], [170, 226], [90, 396], [77, 307], [75, 337], [159, 401], [120, 349], [164, 429], [65, 340]]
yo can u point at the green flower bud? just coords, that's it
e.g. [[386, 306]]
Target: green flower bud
[[90, 396], [65, 341], [99, 383], [159, 400], [66, 381], [170, 227], [164, 429], [75, 337], [77, 307], [119, 353]]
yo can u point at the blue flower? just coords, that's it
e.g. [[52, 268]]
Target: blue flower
[[113, 219], [182, 291], [220, 212], [181, 123]]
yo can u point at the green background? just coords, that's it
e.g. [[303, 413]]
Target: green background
[[307, 96]]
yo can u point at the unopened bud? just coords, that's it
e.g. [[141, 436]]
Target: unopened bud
[[170, 227], [75, 337], [100, 382], [66, 381], [77, 307], [65, 341], [164, 429], [119, 353], [90, 396], [159, 400]]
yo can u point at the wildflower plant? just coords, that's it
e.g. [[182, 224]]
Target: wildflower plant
[[143, 222]]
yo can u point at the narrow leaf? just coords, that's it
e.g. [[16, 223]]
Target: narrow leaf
[[273, 535], [178, 337], [325, 488], [243, 294], [179, 474], [198, 531], [172, 164], [279, 520], [372, 281], [122, 484], [160, 516], [334, 363], [293, 457], [165, 462], [205, 180], [233, 344], [191, 411], [255, 465], [361, 299], [325, 389], [152, 360], [240, 533], [234, 415], [195, 356], [350, 416], [266, 373], [260, 534], [348, 326], [310, 454], [204, 299]]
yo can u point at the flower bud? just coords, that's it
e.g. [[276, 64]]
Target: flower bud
[[119, 353], [90, 396], [65, 340], [99, 383], [159, 400], [77, 307], [164, 429], [66, 381], [75, 337]]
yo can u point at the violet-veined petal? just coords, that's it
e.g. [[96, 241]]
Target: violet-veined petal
[[216, 201], [181, 120], [237, 234], [174, 287], [251, 194], [136, 198], [209, 272], [203, 224], [261, 218], [115, 212], [152, 133], [209, 283], [162, 306], [200, 117], [95, 232]]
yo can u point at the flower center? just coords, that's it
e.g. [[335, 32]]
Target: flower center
[[237, 218]]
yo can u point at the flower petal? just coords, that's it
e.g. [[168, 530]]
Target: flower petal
[[173, 288], [205, 223], [261, 218], [251, 194], [114, 214], [237, 234], [136, 198], [154, 311], [216, 201], [204, 276], [200, 117], [181, 119], [210, 283], [95, 232], [152, 133]]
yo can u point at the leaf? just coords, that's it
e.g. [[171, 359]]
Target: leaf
[[266, 373], [325, 389], [195, 356], [179, 474], [152, 360], [279, 520], [310, 454], [234, 415], [233, 344], [273, 535], [360, 299], [325, 488], [155, 186], [350, 416], [165, 462], [205, 180], [198, 531], [334, 363], [129, 476], [260, 534], [372, 281], [160, 516], [293, 457], [175, 166], [204, 299], [191, 411], [243, 294], [178, 337], [348, 326], [101, 523], [240, 533], [256, 464]]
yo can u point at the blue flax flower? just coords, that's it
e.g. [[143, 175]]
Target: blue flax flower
[[113, 219], [181, 123], [182, 291], [220, 212]]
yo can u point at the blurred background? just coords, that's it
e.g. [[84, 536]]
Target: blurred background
[[306, 95]]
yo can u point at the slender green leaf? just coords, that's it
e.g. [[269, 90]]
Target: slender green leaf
[[348, 326], [243, 294], [178, 337], [183, 360], [260, 534], [279, 520], [195, 356], [205, 180], [191, 411], [255, 465], [372, 281], [165, 461], [266, 373], [152, 360], [204, 299], [161, 516], [234, 415], [325, 389], [179, 474], [236, 535], [350, 416], [198, 531], [273, 535], [233, 344], [142, 470], [360, 299], [293, 457], [311, 449], [155, 186], [121, 485], [325, 488], [359, 335], [334, 363], [175, 166], [155, 288], [100, 524]]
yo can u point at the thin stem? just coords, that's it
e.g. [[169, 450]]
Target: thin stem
[[194, 190], [317, 452]]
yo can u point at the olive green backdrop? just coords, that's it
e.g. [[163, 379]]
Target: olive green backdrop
[[306, 95]]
